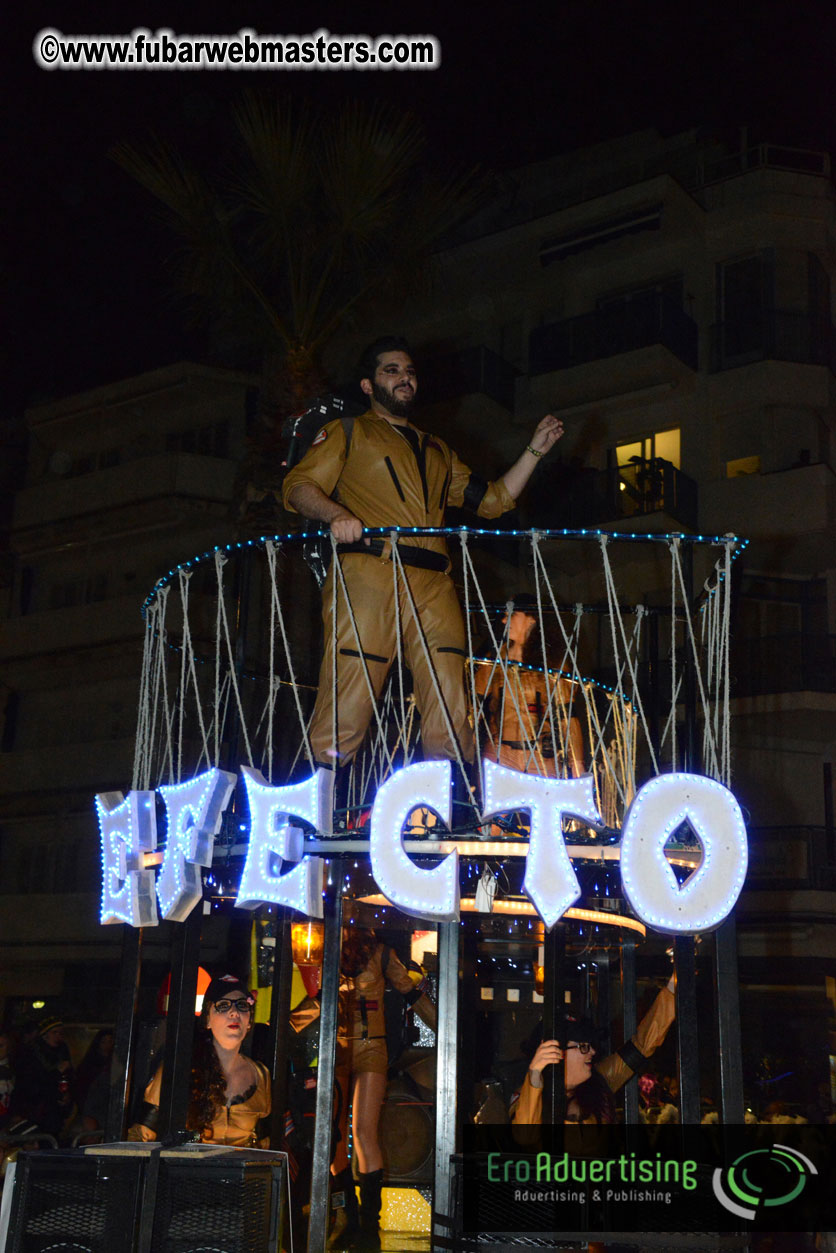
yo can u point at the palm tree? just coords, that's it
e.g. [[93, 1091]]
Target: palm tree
[[318, 213]]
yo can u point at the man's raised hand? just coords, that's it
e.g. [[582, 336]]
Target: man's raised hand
[[547, 432]]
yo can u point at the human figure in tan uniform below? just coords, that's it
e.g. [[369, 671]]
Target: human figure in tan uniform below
[[527, 712], [395, 475], [362, 1062]]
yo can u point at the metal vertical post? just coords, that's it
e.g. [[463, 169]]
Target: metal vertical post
[[179, 1035], [279, 1023], [691, 752], [688, 1051], [326, 1069], [554, 985], [727, 996], [446, 1077], [125, 1031], [630, 1016], [726, 985], [602, 1008], [686, 1028], [653, 687]]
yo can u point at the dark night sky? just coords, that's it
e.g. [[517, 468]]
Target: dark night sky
[[86, 280]]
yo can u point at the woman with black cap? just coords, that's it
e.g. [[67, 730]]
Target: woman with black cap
[[229, 1092], [589, 1085]]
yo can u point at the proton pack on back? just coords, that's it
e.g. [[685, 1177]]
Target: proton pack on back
[[300, 431]]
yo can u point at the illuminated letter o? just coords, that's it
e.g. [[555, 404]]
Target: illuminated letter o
[[709, 894]]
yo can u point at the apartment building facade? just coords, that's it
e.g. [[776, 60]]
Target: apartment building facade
[[119, 484], [671, 300]]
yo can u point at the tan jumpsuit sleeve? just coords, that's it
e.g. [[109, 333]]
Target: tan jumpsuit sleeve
[[265, 1094], [529, 1105], [650, 1033], [398, 976], [496, 500], [321, 465]]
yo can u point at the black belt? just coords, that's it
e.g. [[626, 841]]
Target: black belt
[[423, 558], [545, 750]]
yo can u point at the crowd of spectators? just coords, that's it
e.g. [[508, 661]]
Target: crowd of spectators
[[42, 1092]]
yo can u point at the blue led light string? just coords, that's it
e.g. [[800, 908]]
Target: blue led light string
[[732, 547], [302, 537]]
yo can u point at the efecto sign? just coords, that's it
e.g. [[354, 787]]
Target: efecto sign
[[277, 871]]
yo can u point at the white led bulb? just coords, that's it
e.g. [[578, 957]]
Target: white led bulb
[[195, 809], [275, 840], [550, 879], [710, 892], [128, 828], [432, 894]]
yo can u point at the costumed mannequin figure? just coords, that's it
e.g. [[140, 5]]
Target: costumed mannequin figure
[[229, 1093], [394, 475], [522, 708], [362, 1062]]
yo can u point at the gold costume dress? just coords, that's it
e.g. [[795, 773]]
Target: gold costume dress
[[234, 1124]]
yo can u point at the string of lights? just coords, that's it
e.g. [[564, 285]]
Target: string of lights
[[304, 537]]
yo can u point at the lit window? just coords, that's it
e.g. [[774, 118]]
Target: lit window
[[742, 466], [647, 473], [662, 444]]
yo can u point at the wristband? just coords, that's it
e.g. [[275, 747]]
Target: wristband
[[533, 451]]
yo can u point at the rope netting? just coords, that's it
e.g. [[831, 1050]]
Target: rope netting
[[626, 644]]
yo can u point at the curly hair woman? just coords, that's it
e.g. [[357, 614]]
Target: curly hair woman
[[229, 1092]]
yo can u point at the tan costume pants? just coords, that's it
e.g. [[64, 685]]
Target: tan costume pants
[[371, 590]]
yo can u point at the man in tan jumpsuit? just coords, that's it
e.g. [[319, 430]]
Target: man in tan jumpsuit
[[394, 476]]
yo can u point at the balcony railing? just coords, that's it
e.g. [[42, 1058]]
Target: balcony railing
[[791, 857], [610, 331], [475, 369], [784, 663], [773, 335], [587, 497]]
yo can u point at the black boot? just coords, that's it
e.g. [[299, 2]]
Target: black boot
[[344, 1216], [371, 1186]]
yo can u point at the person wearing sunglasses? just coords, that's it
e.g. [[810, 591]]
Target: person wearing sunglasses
[[230, 1093], [590, 1084]]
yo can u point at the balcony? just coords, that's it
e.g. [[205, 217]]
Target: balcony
[[148, 479], [652, 495], [795, 502], [773, 335], [608, 332], [774, 664], [791, 857], [84, 767], [475, 369], [82, 626], [785, 684]]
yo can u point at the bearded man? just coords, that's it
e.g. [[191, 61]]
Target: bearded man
[[394, 475]]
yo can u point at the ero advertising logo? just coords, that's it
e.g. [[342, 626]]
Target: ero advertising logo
[[762, 1179]]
